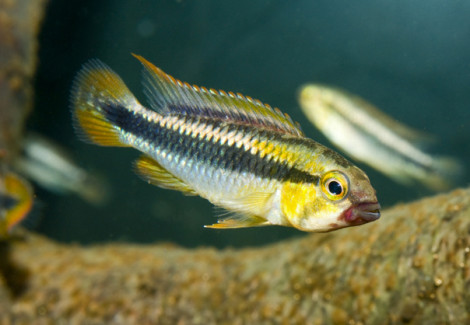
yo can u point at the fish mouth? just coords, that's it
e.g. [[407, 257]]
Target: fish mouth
[[362, 213]]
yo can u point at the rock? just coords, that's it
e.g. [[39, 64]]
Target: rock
[[409, 267], [19, 22]]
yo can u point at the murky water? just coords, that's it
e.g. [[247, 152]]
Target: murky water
[[409, 59]]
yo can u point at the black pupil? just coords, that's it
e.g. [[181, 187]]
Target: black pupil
[[335, 188]]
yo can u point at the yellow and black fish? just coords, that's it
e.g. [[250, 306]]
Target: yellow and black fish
[[236, 152], [16, 202]]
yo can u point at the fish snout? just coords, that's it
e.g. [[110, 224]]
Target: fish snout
[[362, 213]]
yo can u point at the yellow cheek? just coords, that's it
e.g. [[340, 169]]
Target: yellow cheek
[[300, 204], [296, 200]]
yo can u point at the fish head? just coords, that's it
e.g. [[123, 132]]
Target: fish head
[[343, 197], [360, 204]]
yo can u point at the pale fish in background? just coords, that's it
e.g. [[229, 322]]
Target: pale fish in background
[[238, 153], [50, 166], [368, 135], [16, 202]]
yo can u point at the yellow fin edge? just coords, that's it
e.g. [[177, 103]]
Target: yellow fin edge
[[21, 191], [152, 172], [239, 221], [95, 88]]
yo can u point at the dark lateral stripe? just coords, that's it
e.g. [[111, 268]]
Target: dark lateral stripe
[[213, 153]]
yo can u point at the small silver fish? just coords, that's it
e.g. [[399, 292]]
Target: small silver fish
[[50, 165], [368, 135], [238, 153]]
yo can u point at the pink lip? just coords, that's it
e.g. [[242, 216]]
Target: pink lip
[[362, 213]]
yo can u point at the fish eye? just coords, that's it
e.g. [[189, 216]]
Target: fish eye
[[335, 185], [335, 188]]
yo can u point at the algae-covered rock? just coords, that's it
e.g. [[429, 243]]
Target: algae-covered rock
[[411, 266], [19, 25]]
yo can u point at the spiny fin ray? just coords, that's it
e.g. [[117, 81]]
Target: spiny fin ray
[[168, 95], [152, 172]]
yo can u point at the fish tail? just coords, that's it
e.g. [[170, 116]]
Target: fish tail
[[22, 194], [447, 171], [98, 94]]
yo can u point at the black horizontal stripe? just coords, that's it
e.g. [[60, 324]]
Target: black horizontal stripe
[[212, 152]]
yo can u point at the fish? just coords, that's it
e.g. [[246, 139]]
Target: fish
[[240, 154], [16, 202], [368, 135], [51, 166]]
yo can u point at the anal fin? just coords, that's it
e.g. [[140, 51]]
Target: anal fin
[[152, 172], [239, 221]]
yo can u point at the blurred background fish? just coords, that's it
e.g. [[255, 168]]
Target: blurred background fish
[[16, 202], [366, 134], [52, 167]]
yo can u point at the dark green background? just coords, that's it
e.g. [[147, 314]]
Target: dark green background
[[410, 58]]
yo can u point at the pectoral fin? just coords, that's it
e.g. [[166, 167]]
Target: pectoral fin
[[152, 172]]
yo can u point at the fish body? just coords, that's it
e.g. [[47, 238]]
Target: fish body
[[16, 202], [236, 152], [368, 135]]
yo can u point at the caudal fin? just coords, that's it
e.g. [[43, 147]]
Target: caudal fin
[[444, 173], [96, 91], [17, 201]]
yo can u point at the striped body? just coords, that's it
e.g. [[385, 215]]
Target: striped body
[[234, 151], [222, 162]]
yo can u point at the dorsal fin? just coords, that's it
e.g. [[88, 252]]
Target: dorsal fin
[[168, 95]]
